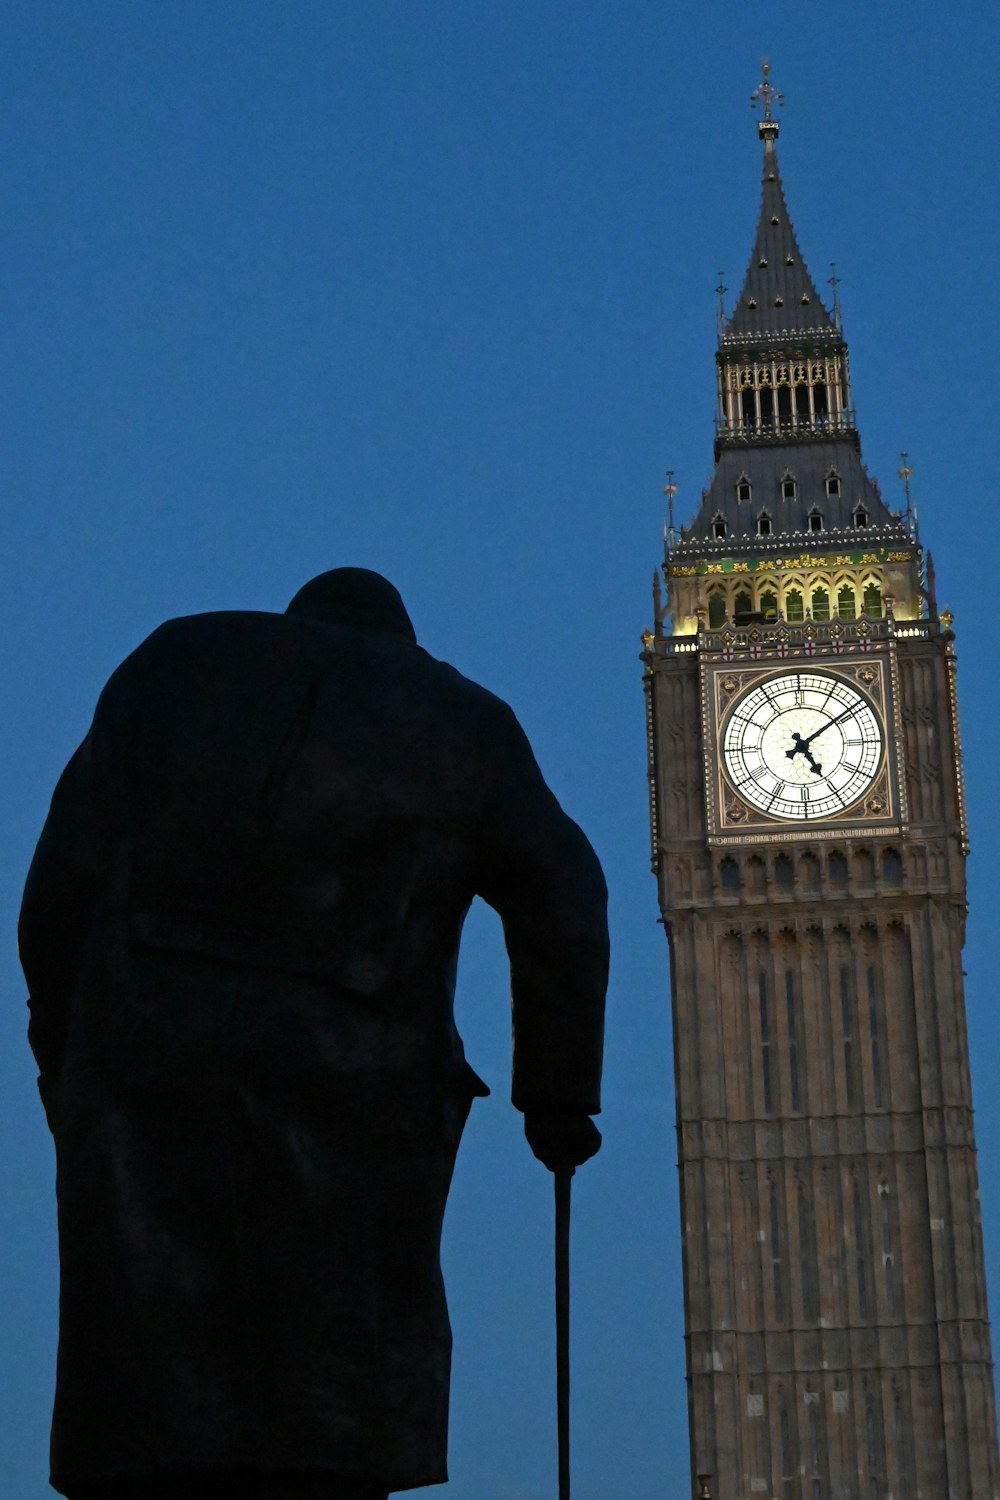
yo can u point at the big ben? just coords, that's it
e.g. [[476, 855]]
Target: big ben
[[809, 841]]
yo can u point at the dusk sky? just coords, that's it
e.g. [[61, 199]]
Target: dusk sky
[[426, 286]]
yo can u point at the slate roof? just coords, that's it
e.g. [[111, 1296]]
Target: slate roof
[[777, 279], [765, 465]]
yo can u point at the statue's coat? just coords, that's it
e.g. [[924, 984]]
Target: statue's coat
[[240, 934]]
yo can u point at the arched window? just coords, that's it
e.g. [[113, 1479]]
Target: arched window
[[729, 874], [815, 520], [743, 491], [743, 606], [718, 525], [763, 524], [792, 1038], [892, 866], [872, 603], [860, 1250], [860, 516], [766, 1042], [716, 610], [847, 603], [794, 605], [820, 604], [833, 484], [769, 604], [807, 1250], [837, 868], [777, 1277], [787, 486], [784, 871]]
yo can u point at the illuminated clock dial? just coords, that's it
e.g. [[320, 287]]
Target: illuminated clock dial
[[802, 745]]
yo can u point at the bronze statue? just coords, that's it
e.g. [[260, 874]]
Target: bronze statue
[[240, 933]]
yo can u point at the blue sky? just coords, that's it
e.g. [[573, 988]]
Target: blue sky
[[427, 287]]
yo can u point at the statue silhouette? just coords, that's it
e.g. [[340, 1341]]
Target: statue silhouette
[[240, 934]]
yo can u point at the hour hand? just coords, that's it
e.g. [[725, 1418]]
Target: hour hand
[[801, 747]]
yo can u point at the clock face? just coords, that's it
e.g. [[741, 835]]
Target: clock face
[[802, 745]]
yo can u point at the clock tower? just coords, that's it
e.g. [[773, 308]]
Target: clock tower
[[809, 842]]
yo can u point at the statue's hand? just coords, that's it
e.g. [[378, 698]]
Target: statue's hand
[[562, 1136]]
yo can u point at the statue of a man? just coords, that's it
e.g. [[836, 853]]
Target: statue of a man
[[240, 934]]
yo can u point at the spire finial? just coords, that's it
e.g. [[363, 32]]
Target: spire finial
[[670, 490], [720, 292], [765, 92], [905, 472], [834, 281]]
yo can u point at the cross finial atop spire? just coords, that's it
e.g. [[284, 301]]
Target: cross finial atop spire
[[767, 128]]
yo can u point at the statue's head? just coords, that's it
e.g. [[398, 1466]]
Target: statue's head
[[354, 596]]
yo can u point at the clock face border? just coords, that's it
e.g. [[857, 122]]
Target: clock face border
[[732, 819]]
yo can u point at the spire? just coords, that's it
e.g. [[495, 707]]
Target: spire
[[778, 293]]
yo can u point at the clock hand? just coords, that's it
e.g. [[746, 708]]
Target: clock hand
[[802, 746], [823, 728]]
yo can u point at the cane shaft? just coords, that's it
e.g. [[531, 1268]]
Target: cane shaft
[[562, 1186]]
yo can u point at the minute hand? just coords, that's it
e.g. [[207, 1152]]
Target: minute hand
[[824, 727]]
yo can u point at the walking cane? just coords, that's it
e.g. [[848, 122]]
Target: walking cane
[[562, 1186]]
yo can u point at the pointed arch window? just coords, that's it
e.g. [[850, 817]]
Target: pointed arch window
[[716, 610], [820, 604], [794, 605], [787, 486], [769, 604], [815, 520], [861, 517], [872, 603], [743, 490], [742, 607], [763, 524], [847, 603], [718, 525], [833, 485]]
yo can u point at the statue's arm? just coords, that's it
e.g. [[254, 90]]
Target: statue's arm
[[541, 875], [65, 880]]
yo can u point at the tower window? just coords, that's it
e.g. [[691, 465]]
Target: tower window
[[729, 872], [763, 524], [820, 604], [794, 605], [743, 606], [765, 1043], [873, 600], [743, 490], [716, 611], [787, 487], [832, 485], [769, 604], [847, 604], [718, 526], [815, 520], [861, 516]]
